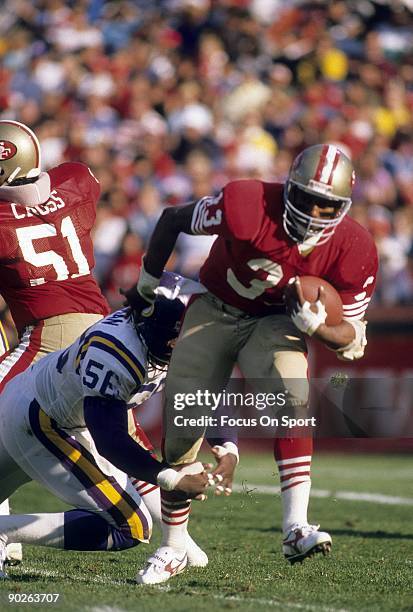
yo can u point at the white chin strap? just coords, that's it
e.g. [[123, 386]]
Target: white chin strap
[[31, 174]]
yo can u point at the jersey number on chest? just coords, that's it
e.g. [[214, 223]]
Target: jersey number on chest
[[26, 237], [257, 286]]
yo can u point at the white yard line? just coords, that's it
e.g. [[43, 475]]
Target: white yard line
[[277, 603], [31, 569], [259, 601], [332, 471], [104, 609], [376, 498]]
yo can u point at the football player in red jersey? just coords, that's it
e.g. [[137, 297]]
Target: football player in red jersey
[[46, 252], [268, 234]]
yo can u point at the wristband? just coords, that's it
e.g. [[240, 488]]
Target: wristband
[[226, 448], [169, 478], [147, 284], [354, 349]]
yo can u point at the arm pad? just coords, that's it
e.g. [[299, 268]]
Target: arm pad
[[107, 422], [355, 349]]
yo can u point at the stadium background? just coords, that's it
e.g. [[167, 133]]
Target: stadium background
[[168, 102]]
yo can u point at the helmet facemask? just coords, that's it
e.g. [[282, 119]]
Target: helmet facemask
[[160, 343], [298, 221]]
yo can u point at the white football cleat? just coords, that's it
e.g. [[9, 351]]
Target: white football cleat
[[162, 565], [196, 556], [305, 541], [14, 554]]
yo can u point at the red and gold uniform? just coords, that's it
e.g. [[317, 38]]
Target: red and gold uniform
[[46, 262], [267, 234], [242, 318], [253, 258]]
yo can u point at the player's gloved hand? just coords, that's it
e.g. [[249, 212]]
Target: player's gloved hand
[[192, 480], [307, 316], [141, 297], [138, 303], [227, 459]]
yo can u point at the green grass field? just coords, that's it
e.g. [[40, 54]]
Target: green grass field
[[370, 566]]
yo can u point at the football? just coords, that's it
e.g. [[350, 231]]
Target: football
[[333, 305]]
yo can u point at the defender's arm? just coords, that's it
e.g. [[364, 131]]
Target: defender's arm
[[107, 422]]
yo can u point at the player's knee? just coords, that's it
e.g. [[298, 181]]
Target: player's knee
[[172, 455], [137, 528], [179, 451], [296, 393], [121, 539]]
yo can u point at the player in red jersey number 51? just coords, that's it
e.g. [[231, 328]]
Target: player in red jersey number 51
[[268, 234], [46, 252]]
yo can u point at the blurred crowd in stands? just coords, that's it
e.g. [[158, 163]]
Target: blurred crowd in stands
[[168, 100]]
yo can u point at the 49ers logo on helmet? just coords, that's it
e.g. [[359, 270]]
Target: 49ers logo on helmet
[[7, 150]]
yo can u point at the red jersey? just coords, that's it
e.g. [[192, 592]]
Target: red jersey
[[253, 258], [46, 252]]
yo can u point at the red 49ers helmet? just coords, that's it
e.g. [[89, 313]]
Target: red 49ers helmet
[[19, 152], [323, 177]]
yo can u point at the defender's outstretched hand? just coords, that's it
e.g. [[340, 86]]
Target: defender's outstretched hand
[[224, 472], [194, 486], [191, 480]]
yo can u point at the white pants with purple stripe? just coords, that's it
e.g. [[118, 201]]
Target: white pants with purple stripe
[[66, 462]]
